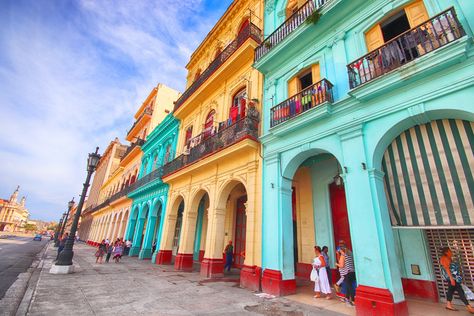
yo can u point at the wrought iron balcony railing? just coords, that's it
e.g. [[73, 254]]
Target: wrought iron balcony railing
[[287, 27], [250, 31], [138, 142], [155, 174], [243, 128], [147, 111], [303, 101], [438, 31]]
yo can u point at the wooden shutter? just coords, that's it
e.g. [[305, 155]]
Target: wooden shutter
[[293, 86], [315, 74], [416, 13], [374, 38]]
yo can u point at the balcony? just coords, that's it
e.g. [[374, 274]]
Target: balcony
[[287, 27], [246, 127], [147, 113], [139, 142], [250, 31], [303, 101], [155, 174], [429, 36]]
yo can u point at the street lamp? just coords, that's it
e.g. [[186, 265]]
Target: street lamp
[[70, 205], [64, 263], [58, 229]]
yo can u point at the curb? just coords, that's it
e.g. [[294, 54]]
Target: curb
[[15, 295]]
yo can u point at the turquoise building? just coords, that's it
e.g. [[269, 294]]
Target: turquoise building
[[368, 138], [150, 194]]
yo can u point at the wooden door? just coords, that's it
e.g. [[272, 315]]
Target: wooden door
[[340, 219], [240, 227]]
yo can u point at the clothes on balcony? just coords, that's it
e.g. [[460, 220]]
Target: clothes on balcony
[[234, 111], [292, 107], [392, 54]]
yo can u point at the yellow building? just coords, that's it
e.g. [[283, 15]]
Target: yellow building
[[13, 215], [215, 190], [111, 214]]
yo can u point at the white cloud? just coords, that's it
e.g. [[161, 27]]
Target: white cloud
[[71, 77]]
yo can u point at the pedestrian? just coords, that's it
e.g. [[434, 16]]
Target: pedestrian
[[117, 251], [347, 272], [451, 273], [62, 243], [153, 247], [99, 254], [229, 252], [321, 282], [328, 265], [109, 249], [126, 249]]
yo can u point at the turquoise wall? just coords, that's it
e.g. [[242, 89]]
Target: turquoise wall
[[356, 129], [153, 195]]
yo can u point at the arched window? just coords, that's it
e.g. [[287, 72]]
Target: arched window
[[198, 73], [209, 124], [239, 102], [244, 25], [168, 153], [188, 136], [154, 162]]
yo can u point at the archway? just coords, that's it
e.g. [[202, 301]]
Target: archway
[[151, 233], [140, 228], [132, 221], [429, 187], [192, 240], [123, 225]]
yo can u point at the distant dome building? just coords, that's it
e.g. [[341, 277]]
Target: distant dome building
[[13, 214]]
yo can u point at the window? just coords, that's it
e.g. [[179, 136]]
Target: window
[[167, 154], [408, 17], [239, 102], [304, 80], [209, 124], [243, 26], [198, 73], [189, 134]]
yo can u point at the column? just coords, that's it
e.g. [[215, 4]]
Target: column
[[212, 265], [164, 254], [184, 258], [146, 250], [137, 236], [277, 236], [250, 272], [378, 274]]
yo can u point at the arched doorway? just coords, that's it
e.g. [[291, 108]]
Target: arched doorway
[[229, 213], [151, 231], [177, 231], [428, 178], [140, 228]]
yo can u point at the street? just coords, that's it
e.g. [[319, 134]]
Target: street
[[16, 255]]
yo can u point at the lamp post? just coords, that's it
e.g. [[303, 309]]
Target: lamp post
[[70, 205], [58, 229], [64, 263]]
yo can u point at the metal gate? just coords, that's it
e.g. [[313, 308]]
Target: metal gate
[[461, 242]]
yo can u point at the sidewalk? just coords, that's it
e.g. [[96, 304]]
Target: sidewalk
[[140, 287]]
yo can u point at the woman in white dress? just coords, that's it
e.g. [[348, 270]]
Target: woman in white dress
[[321, 284]]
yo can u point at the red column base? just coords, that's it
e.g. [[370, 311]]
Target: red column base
[[184, 262], [420, 289], [372, 301], [212, 268], [163, 257], [273, 283], [250, 277], [201, 255]]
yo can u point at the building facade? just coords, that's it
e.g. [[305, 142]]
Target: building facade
[[110, 216], [150, 193], [214, 182], [13, 214], [367, 138]]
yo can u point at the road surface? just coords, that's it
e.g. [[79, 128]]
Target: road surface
[[16, 256]]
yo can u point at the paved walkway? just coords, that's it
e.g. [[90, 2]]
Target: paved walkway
[[140, 287]]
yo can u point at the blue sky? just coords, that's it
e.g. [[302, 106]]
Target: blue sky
[[72, 74]]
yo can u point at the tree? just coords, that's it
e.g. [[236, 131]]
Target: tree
[[30, 227]]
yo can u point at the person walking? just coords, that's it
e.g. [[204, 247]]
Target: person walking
[[62, 243], [328, 265], [117, 251], [229, 252], [99, 254], [321, 282], [109, 249], [451, 272], [347, 271]]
